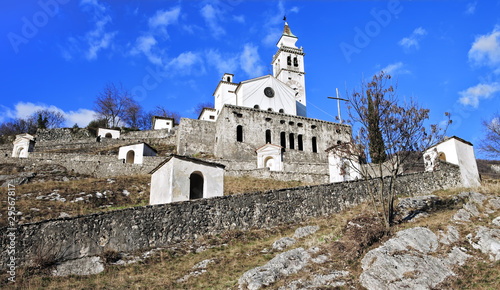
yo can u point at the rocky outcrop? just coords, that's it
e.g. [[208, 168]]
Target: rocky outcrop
[[283, 264], [409, 261]]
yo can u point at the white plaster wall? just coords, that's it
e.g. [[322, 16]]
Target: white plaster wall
[[161, 185], [138, 150], [457, 153], [468, 165], [163, 124], [334, 165], [171, 183], [205, 116], [251, 93], [224, 95], [22, 146], [115, 134], [21, 149]]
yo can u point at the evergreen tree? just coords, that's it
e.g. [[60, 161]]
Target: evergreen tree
[[376, 142], [42, 122]]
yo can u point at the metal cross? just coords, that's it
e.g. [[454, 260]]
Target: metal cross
[[338, 103]]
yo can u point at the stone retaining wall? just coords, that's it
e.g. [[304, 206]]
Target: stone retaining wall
[[161, 225], [100, 166]]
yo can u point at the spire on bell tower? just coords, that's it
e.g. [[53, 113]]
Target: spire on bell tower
[[288, 66]]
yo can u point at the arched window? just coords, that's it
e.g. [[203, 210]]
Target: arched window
[[295, 62], [196, 185], [270, 109], [442, 156], [282, 111], [283, 140], [256, 107], [289, 60], [314, 145], [130, 157], [268, 136], [300, 145], [239, 133], [108, 135], [228, 79], [291, 141]]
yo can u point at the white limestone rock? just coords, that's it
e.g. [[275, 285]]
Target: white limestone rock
[[488, 242], [80, 267], [283, 243], [283, 264], [305, 231], [496, 221], [461, 215], [451, 237], [328, 280], [408, 261], [494, 203], [472, 208]]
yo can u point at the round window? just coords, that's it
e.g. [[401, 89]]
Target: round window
[[269, 92]]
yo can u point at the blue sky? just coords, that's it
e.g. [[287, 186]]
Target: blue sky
[[60, 53]]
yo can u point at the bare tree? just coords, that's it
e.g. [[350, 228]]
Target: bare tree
[[162, 112], [199, 108], [112, 103], [18, 126], [402, 129], [490, 144], [132, 114], [146, 120], [55, 119]]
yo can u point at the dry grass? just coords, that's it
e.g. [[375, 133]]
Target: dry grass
[[235, 252], [34, 209], [235, 185]]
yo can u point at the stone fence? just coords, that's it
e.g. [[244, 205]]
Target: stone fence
[[147, 227], [101, 166]]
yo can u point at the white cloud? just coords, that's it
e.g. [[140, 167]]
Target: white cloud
[[212, 14], [82, 117], [414, 39], [239, 18], [486, 49], [94, 40], [472, 95], [146, 44], [164, 18], [471, 8], [395, 69], [187, 62], [223, 63], [274, 26], [250, 61]]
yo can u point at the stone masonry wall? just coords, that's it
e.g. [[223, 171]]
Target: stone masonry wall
[[194, 136], [161, 225], [100, 166], [255, 123]]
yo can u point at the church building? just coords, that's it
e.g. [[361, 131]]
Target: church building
[[270, 109]]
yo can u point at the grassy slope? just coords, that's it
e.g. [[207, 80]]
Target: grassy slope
[[236, 252]]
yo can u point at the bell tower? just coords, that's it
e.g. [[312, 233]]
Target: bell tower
[[288, 67]]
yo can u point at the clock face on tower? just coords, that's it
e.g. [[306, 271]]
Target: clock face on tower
[[295, 85]]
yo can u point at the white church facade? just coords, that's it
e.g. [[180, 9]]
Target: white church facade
[[270, 109]]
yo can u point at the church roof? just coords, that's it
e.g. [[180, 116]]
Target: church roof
[[187, 158], [287, 31]]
